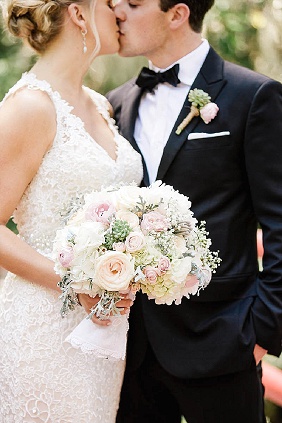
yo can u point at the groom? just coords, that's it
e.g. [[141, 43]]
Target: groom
[[198, 359]]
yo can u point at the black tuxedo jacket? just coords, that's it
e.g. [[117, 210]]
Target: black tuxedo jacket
[[234, 182]]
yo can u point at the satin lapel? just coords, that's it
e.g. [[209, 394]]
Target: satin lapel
[[210, 79], [128, 115]]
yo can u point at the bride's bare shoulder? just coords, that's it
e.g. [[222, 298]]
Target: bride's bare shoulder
[[29, 114]]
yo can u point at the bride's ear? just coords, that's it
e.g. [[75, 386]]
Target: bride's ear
[[77, 15]]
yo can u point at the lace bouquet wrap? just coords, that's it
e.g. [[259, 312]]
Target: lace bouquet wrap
[[130, 239]]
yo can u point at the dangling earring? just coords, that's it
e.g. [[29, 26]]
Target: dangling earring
[[83, 33]]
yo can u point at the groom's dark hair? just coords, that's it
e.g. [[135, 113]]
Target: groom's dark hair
[[198, 10]]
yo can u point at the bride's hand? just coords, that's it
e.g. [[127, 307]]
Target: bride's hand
[[88, 302]]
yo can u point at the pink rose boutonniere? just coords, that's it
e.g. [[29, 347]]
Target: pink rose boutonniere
[[201, 106]]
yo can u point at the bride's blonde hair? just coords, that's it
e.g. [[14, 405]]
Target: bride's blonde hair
[[40, 21]]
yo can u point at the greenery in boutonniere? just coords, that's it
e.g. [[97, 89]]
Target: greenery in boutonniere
[[201, 106]]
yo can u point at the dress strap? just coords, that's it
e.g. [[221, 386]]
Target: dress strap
[[30, 81]]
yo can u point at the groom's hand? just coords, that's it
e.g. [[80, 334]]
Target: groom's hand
[[88, 302], [259, 353]]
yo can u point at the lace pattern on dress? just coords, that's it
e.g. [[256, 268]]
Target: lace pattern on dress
[[43, 379]]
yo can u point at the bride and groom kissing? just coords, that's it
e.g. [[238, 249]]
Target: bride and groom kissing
[[200, 359]]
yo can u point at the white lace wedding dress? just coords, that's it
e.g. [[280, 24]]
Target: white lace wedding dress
[[42, 378]]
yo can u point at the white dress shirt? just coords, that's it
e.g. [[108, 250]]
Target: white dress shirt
[[158, 111]]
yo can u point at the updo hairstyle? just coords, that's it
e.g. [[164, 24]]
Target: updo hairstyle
[[37, 21]]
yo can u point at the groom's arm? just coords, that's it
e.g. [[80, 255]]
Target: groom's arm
[[263, 155]]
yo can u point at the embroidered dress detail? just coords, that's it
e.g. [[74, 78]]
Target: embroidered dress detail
[[42, 378]]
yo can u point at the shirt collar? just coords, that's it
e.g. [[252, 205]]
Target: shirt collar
[[189, 65]]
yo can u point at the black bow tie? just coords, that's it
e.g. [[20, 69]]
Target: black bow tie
[[148, 79]]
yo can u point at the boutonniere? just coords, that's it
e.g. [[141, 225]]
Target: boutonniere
[[201, 106]]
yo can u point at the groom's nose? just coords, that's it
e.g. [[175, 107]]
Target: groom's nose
[[119, 10]]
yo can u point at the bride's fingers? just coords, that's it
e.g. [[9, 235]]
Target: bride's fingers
[[100, 322], [87, 302], [125, 310], [125, 303]]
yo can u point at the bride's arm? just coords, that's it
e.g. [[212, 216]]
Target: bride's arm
[[28, 127]]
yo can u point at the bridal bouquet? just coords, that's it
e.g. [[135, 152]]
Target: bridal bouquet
[[133, 239]]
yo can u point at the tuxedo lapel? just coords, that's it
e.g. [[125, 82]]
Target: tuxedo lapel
[[210, 79], [127, 121], [129, 113]]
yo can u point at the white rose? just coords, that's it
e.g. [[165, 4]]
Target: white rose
[[180, 268], [135, 241], [127, 197], [83, 287], [114, 271], [180, 244], [89, 234], [119, 246], [129, 217]]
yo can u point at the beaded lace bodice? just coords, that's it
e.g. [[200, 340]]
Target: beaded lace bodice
[[75, 165], [43, 379]]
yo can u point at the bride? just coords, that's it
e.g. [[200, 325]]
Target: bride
[[58, 142]]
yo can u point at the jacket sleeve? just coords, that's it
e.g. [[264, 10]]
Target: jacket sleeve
[[263, 155]]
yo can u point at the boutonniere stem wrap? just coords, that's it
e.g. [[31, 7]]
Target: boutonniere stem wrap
[[201, 106]]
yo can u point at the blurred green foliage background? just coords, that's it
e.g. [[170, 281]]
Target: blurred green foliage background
[[245, 32]]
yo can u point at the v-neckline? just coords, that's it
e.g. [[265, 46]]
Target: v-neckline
[[80, 121]]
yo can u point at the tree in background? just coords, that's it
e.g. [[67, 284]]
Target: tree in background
[[14, 59], [269, 37], [248, 33], [244, 32]]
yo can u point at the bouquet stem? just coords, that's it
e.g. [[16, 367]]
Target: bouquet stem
[[106, 306]]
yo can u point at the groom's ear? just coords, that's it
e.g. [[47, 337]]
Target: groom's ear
[[77, 15], [179, 15]]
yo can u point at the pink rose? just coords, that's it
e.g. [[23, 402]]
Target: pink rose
[[163, 265], [154, 221], [135, 241], [66, 256], [100, 212], [209, 112], [151, 274]]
